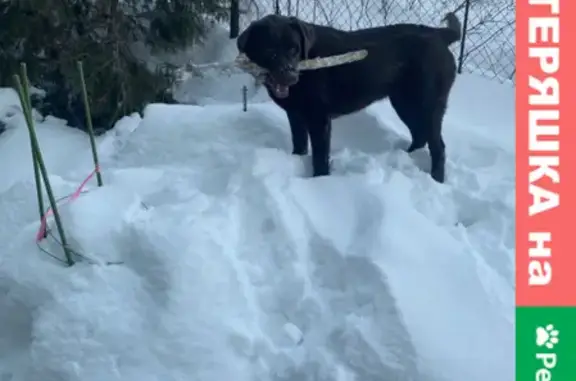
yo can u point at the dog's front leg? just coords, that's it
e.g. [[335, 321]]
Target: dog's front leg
[[299, 131], [320, 130]]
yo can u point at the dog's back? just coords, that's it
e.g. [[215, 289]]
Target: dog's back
[[337, 40], [449, 34], [395, 52]]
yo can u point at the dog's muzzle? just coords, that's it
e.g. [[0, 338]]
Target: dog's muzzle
[[280, 80]]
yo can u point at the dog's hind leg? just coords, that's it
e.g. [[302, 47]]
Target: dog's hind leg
[[299, 132], [424, 117], [436, 143], [404, 105], [435, 92]]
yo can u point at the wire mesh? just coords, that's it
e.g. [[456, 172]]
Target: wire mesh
[[488, 41]]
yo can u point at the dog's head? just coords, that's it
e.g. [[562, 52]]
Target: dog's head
[[277, 44]]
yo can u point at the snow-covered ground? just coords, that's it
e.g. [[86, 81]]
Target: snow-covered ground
[[230, 263]]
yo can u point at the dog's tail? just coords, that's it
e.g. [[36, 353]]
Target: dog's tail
[[453, 30]]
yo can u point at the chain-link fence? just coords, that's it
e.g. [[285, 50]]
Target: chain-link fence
[[487, 46]]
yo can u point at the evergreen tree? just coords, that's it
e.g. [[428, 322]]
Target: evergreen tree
[[52, 35]]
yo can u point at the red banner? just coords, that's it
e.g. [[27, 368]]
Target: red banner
[[545, 153]]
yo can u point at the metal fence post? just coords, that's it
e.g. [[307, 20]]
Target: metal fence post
[[234, 18], [463, 41]]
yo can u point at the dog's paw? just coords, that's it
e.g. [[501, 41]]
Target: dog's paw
[[438, 175], [321, 171]]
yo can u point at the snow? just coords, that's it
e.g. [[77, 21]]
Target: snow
[[210, 253]]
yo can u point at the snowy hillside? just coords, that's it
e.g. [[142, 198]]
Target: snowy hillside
[[230, 263]]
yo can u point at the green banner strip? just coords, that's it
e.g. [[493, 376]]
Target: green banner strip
[[546, 343]]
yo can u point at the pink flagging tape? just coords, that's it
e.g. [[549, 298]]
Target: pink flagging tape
[[43, 221]]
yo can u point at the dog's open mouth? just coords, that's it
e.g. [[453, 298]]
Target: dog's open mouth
[[279, 90]]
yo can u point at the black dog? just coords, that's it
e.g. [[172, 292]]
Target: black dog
[[411, 64]]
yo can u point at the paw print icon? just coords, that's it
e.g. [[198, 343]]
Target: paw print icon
[[547, 336]]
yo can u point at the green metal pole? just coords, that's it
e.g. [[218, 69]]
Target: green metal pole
[[89, 123], [40, 160], [27, 110]]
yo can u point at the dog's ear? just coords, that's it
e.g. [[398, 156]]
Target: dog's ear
[[243, 39], [307, 35]]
